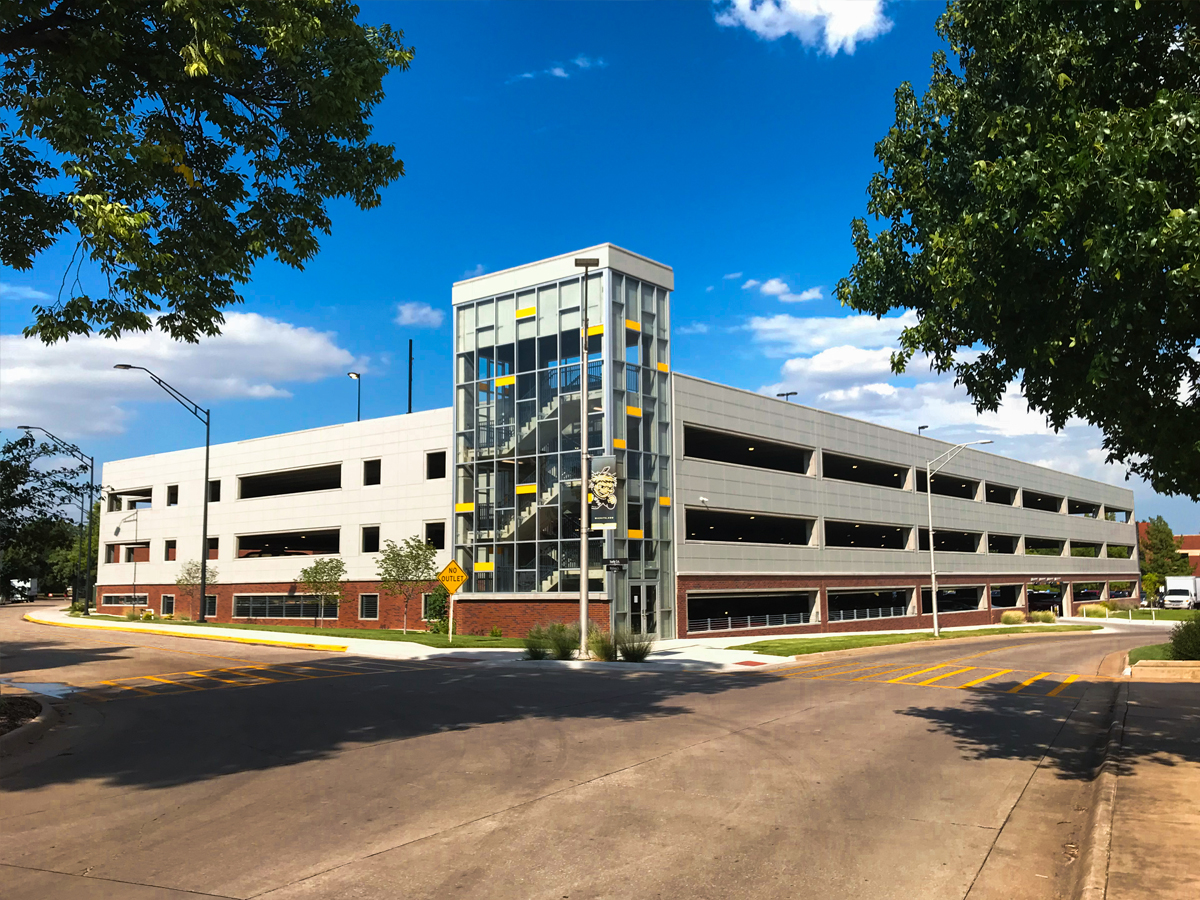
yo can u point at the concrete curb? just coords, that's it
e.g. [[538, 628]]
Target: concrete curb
[[19, 739], [1098, 840], [228, 638]]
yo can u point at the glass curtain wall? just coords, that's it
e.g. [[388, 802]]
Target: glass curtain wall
[[518, 438]]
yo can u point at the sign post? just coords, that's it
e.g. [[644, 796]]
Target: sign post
[[452, 578]]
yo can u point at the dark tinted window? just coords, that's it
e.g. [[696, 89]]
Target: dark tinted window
[[435, 464], [435, 534], [370, 539], [372, 470]]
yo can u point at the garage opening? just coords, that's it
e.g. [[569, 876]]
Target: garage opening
[[947, 485], [745, 450], [295, 481], [1087, 591], [1035, 546], [951, 541], [751, 528], [1044, 596], [959, 599], [1113, 514], [1119, 551], [1082, 548], [1046, 502], [998, 493], [322, 542], [850, 605], [863, 471], [1083, 508], [1005, 595], [749, 609], [865, 536], [1002, 543]]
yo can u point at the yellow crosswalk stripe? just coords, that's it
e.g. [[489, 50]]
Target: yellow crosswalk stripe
[[1027, 682], [887, 671], [127, 687], [985, 678], [191, 687], [840, 671], [900, 678], [1066, 681], [947, 675]]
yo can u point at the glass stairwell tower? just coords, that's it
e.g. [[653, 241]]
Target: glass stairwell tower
[[518, 373]]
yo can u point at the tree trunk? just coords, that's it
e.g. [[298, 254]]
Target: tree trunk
[[406, 612]]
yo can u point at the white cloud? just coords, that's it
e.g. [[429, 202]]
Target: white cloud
[[784, 334], [475, 272], [693, 328], [832, 25], [557, 72], [21, 292], [709, 289], [586, 62], [72, 389], [752, 283], [812, 293], [418, 315], [560, 70], [779, 289], [732, 275]]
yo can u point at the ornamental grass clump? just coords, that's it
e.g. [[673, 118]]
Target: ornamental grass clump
[[634, 647], [602, 644], [1094, 611], [564, 639], [1185, 638], [1044, 616], [1012, 617], [536, 644]]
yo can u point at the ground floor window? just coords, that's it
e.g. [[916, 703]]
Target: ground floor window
[[1006, 595], [280, 606], [368, 606], [210, 605], [125, 599], [726, 611], [168, 604], [882, 604]]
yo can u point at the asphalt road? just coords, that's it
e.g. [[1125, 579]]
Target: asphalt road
[[200, 769]]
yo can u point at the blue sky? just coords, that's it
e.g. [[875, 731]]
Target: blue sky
[[732, 143]]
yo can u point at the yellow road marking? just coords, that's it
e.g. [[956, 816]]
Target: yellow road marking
[[1066, 681], [206, 674], [128, 687], [900, 678], [888, 671], [840, 671], [947, 675], [985, 678], [1027, 682], [190, 687]]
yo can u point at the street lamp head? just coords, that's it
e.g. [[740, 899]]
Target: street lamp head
[[353, 375], [26, 427], [921, 428], [587, 263], [122, 366]]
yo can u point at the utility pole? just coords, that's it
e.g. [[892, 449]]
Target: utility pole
[[410, 362], [584, 517]]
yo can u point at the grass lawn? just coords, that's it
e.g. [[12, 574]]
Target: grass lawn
[[371, 634], [803, 646], [1153, 651]]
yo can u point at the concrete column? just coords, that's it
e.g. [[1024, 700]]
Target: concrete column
[[1104, 590]]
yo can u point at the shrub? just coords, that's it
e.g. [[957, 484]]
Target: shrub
[[563, 639], [148, 615], [634, 647], [168, 616], [602, 644], [496, 631], [1185, 638], [536, 644], [131, 615], [1044, 616], [1012, 617], [1093, 611]]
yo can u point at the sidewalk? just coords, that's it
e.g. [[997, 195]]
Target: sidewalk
[[1156, 819]]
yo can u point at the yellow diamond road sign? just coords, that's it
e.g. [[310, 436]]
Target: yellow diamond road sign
[[453, 576]]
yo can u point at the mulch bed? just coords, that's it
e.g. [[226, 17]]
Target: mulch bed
[[16, 711]]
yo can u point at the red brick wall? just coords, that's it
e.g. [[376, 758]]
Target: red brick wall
[[471, 616]]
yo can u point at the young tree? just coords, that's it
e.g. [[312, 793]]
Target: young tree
[[404, 569], [64, 561], [188, 582], [1158, 551], [325, 579], [1042, 218], [179, 143]]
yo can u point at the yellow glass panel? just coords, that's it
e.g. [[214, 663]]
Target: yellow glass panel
[[526, 488], [619, 443], [464, 507], [485, 567], [506, 379], [635, 534], [633, 411], [526, 312], [662, 367], [664, 501], [632, 325], [596, 329]]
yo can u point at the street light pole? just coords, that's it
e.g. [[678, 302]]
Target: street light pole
[[787, 395], [205, 416], [935, 465], [584, 517], [357, 380], [91, 462]]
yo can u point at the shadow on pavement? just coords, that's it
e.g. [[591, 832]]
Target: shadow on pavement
[[1161, 727], [194, 735], [20, 657]]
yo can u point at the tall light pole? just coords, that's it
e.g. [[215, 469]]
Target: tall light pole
[[91, 463], [787, 395], [357, 380], [584, 517], [204, 416], [935, 465]]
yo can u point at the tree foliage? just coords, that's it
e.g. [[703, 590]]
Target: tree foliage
[[325, 579], [1158, 551], [180, 141], [188, 582], [1041, 208], [405, 568]]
